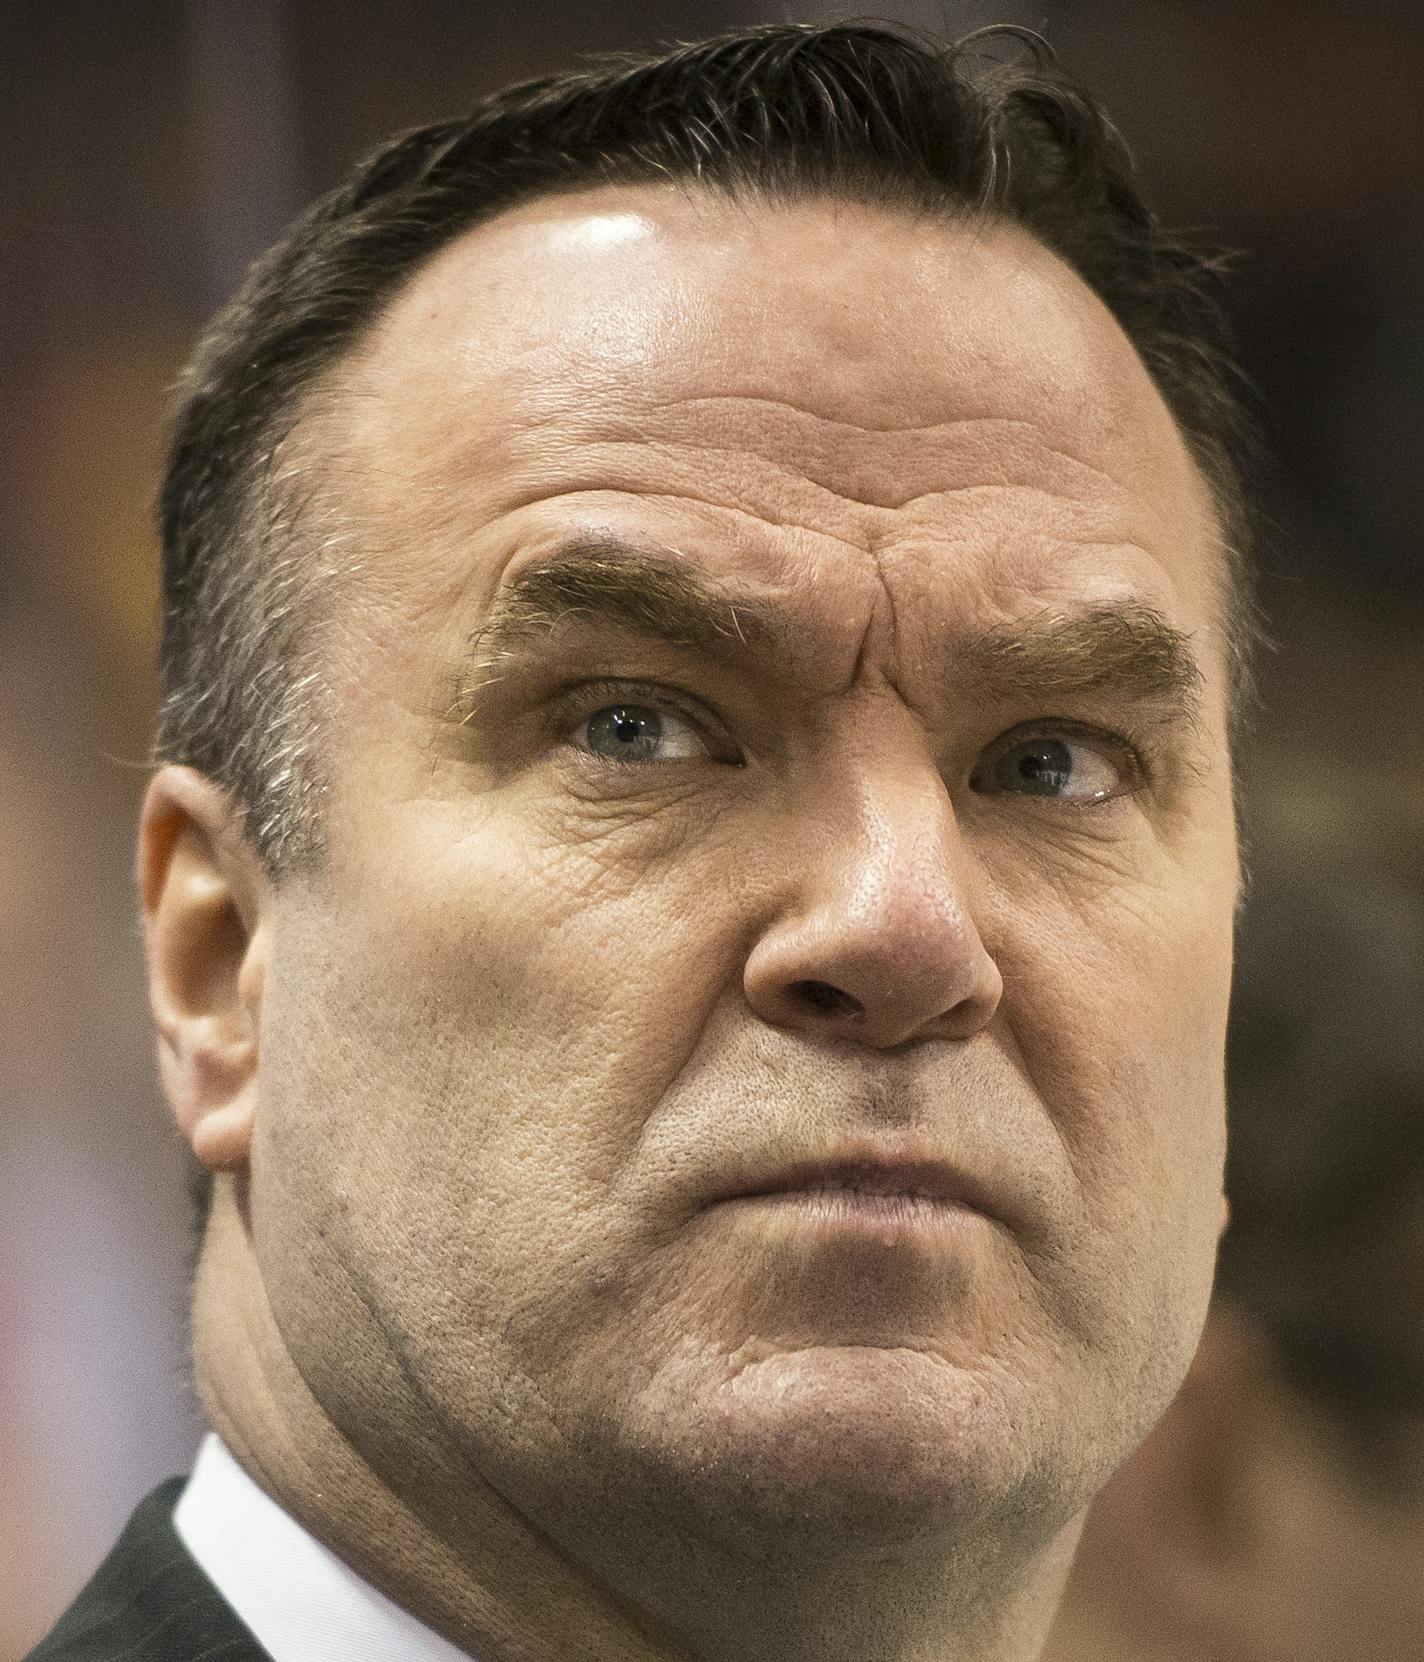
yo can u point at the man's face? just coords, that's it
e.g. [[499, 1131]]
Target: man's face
[[761, 761]]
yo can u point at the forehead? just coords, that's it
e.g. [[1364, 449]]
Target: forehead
[[787, 390]]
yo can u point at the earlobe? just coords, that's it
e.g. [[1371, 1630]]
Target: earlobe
[[222, 1137], [205, 904]]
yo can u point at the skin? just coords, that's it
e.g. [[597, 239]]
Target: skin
[[1242, 1531], [466, 1306]]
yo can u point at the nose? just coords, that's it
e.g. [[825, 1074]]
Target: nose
[[876, 942]]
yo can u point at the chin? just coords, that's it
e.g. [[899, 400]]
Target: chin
[[856, 1447]]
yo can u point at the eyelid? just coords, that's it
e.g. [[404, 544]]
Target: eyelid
[[1130, 751], [580, 699]]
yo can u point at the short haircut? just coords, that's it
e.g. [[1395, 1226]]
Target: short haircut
[[779, 112]]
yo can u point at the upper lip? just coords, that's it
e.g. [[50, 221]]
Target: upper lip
[[922, 1176]]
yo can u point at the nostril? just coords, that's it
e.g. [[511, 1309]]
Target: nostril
[[827, 1000]]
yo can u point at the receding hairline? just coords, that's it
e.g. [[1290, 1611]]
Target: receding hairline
[[316, 437], [841, 111], [984, 228], [1141, 632], [311, 427]]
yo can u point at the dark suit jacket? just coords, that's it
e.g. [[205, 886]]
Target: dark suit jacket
[[149, 1602]]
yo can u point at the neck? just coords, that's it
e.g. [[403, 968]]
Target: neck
[[393, 1498]]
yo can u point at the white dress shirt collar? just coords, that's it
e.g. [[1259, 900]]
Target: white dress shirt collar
[[301, 1602]]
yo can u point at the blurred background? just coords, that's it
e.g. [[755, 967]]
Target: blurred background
[[150, 150]]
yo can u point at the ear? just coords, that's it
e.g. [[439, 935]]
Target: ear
[[206, 911]]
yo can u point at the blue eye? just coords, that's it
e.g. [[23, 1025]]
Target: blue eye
[[639, 733], [1060, 768]]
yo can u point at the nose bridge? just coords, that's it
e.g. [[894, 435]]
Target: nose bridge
[[893, 854], [877, 937]]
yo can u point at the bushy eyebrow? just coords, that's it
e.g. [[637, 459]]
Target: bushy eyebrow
[[1127, 653], [648, 593]]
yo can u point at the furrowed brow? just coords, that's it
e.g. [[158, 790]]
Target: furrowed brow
[[652, 594], [1130, 654], [1127, 653]]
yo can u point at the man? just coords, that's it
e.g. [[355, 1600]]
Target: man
[[690, 894], [1277, 1509]]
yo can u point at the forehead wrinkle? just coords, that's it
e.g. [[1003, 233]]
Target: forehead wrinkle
[[870, 466], [769, 495]]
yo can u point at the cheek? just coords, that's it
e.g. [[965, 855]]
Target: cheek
[[459, 1056], [1117, 1014], [1117, 980]]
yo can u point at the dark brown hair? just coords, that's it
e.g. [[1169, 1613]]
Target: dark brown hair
[[781, 112]]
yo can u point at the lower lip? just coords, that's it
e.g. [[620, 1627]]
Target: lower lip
[[858, 1211]]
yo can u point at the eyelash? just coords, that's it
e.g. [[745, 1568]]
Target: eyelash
[[578, 700], [1130, 749], [581, 699]]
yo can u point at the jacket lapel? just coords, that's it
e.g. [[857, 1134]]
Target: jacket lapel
[[149, 1602]]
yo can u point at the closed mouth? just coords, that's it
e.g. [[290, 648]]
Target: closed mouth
[[920, 1180]]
